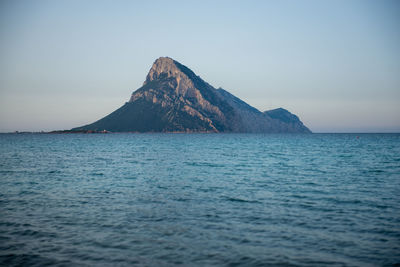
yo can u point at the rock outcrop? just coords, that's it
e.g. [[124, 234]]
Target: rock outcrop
[[289, 121], [174, 99]]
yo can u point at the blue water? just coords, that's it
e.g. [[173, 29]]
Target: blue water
[[199, 199]]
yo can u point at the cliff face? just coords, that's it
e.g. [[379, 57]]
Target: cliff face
[[174, 99]]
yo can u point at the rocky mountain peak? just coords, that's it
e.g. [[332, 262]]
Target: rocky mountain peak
[[174, 99], [163, 67], [169, 79]]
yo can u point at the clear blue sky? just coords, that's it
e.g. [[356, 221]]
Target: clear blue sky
[[335, 63]]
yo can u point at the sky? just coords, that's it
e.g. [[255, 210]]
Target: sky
[[335, 64]]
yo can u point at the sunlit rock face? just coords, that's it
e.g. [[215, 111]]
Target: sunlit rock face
[[174, 99]]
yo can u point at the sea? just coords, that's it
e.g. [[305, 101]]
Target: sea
[[127, 199]]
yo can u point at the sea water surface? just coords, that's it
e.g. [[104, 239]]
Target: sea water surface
[[199, 199]]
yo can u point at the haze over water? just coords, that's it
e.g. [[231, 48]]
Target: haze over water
[[200, 199]]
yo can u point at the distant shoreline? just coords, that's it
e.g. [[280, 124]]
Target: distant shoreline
[[180, 132]]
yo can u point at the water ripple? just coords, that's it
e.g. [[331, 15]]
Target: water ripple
[[199, 200]]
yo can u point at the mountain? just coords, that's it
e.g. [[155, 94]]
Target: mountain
[[174, 99], [290, 120]]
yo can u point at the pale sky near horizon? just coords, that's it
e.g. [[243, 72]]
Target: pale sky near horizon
[[336, 64]]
